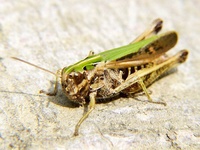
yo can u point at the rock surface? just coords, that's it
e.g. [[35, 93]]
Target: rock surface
[[54, 34]]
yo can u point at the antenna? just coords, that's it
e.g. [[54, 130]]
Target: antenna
[[33, 65]]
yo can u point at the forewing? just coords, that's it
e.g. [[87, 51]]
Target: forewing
[[147, 53]]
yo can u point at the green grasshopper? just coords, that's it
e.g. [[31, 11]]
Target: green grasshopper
[[124, 70]]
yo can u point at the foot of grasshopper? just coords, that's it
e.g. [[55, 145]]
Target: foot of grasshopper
[[55, 91], [91, 108], [140, 81]]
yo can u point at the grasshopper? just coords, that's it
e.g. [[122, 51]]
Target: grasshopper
[[127, 69]]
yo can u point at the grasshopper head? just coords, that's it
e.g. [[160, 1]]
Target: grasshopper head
[[75, 85]]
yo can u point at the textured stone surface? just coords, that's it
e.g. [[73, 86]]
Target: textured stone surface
[[54, 34]]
